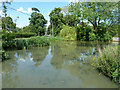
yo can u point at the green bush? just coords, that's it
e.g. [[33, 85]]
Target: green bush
[[107, 36], [68, 33], [8, 44], [22, 43], [83, 33], [107, 62], [38, 41], [7, 35], [25, 43], [4, 55], [103, 33], [92, 36], [32, 41], [57, 38], [24, 34]]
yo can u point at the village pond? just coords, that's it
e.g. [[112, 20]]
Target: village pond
[[60, 65]]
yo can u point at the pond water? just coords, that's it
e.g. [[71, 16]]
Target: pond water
[[60, 65]]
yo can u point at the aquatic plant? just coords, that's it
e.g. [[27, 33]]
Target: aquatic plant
[[108, 62]]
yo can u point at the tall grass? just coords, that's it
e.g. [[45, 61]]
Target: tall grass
[[57, 38], [36, 41], [108, 62]]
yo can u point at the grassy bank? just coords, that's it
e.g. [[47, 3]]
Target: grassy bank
[[108, 62], [25, 43]]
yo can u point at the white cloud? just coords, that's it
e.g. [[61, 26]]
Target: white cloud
[[29, 10], [25, 11], [20, 9]]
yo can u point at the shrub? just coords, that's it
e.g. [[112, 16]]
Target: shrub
[[7, 35], [24, 34], [103, 33], [54, 38], [38, 41], [83, 33], [8, 44], [68, 33], [107, 36], [92, 36], [4, 55], [21, 43]]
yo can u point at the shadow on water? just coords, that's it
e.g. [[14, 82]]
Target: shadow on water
[[63, 64]]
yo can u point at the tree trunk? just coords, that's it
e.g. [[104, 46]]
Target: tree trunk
[[52, 30]]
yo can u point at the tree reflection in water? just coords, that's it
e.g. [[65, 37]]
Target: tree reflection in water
[[60, 65]]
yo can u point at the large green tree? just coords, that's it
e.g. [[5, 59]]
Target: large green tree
[[8, 27], [8, 24], [37, 23], [101, 15], [71, 20], [95, 12], [56, 20]]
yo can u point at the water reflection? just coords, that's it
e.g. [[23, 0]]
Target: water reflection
[[63, 64], [70, 51], [8, 68]]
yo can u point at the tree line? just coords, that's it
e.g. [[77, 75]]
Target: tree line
[[92, 20], [89, 21]]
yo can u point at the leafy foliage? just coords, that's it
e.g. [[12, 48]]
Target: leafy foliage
[[7, 24], [56, 20], [4, 55], [7, 35], [24, 34], [83, 32], [68, 33], [97, 12], [103, 16], [71, 20], [38, 41], [92, 36], [37, 23], [8, 29]]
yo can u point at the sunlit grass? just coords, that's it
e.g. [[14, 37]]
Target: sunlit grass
[[108, 62]]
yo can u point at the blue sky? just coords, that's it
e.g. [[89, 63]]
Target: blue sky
[[44, 7]]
